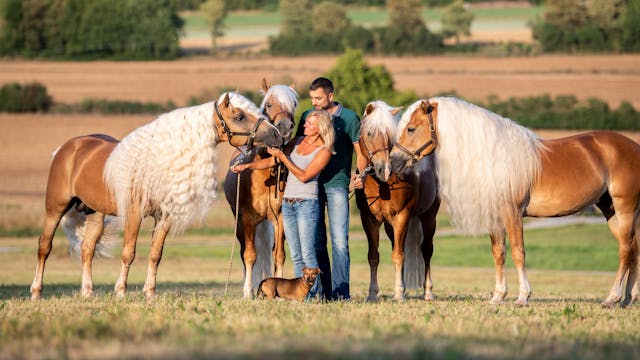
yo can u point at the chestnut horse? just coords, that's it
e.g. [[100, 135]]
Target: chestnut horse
[[407, 204], [163, 169], [260, 225], [492, 172]]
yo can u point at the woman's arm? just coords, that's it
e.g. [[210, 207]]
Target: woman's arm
[[317, 164], [255, 165]]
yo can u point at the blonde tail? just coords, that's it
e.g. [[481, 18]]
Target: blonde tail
[[413, 270], [74, 224], [264, 240]]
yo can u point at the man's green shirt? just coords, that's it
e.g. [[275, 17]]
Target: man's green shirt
[[346, 124]]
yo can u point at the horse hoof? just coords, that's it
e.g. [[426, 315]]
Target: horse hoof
[[88, 294], [608, 304], [496, 300], [522, 302], [626, 302], [372, 298], [428, 297], [398, 299], [36, 295]]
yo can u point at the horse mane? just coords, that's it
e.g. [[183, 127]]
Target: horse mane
[[168, 165], [381, 120], [485, 162], [284, 94]]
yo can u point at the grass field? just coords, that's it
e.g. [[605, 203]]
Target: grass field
[[191, 318]]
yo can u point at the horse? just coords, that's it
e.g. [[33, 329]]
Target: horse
[[163, 169], [492, 172], [260, 225], [406, 203]]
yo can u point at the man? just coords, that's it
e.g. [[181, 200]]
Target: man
[[334, 190]]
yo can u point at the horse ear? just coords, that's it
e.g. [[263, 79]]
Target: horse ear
[[433, 107], [293, 85], [427, 107], [265, 85], [369, 109], [396, 110], [226, 100]]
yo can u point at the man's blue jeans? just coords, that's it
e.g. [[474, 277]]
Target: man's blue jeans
[[300, 223], [334, 278]]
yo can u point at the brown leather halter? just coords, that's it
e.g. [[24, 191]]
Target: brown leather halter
[[415, 156], [251, 134]]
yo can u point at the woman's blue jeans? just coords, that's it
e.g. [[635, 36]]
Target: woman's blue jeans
[[300, 223]]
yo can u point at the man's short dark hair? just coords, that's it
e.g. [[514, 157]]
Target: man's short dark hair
[[323, 83]]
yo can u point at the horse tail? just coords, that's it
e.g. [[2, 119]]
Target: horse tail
[[74, 224], [264, 241], [413, 269]]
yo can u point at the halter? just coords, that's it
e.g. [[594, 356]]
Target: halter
[[370, 155], [415, 155], [230, 134]]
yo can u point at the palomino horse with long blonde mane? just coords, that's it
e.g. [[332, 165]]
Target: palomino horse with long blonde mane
[[164, 169], [492, 172], [260, 226], [407, 204]]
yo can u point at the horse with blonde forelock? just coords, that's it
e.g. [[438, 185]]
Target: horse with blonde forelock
[[164, 169], [492, 172]]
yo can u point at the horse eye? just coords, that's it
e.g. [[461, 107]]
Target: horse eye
[[369, 134], [411, 130], [268, 106], [240, 117]]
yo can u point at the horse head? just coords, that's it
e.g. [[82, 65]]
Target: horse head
[[377, 133], [240, 122], [279, 105], [416, 136]]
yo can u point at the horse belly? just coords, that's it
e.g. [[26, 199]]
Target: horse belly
[[566, 186]]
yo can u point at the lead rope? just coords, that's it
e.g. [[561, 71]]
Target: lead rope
[[235, 234]]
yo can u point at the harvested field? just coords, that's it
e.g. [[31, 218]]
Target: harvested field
[[612, 78]]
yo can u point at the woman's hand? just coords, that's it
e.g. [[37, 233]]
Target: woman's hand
[[239, 168], [275, 152]]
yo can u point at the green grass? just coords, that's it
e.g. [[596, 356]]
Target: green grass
[[237, 22], [191, 317]]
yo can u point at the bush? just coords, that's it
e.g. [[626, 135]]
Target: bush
[[28, 98]]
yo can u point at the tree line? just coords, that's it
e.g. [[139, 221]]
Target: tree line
[[80, 29]]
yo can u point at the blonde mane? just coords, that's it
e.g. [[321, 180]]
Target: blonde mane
[[285, 95], [485, 162], [168, 165], [381, 120]]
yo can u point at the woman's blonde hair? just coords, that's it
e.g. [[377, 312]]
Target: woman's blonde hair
[[325, 127]]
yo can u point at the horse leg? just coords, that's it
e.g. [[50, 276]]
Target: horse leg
[[95, 227], [131, 227], [514, 225], [278, 246], [428, 221], [621, 226], [249, 255], [498, 250], [160, 231], [372, 229], [52, 218], [400, 225]]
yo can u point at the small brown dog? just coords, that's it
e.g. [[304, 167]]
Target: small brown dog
[[292, 289]]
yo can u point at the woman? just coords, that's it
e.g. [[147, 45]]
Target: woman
[[300, 206]]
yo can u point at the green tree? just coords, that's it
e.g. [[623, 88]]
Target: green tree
[[295, 17], [456, 20], [357, 83], [215, 11], [329, 18], [405, 16], [631, 27]]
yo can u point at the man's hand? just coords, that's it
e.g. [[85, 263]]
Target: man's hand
[[357, 182]]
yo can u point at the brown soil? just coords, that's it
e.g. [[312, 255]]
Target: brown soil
[[607, 77], [28, 140]]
